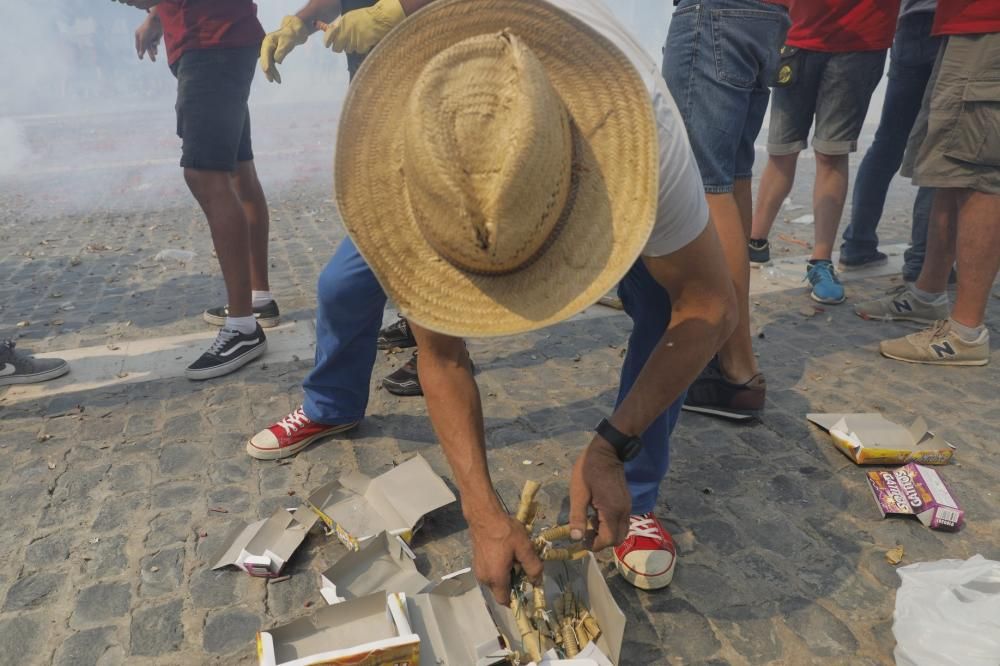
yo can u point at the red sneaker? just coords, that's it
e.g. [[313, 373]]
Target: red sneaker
[[647, 557], [290, 435]]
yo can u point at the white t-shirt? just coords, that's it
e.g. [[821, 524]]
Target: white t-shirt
[[682, 213]]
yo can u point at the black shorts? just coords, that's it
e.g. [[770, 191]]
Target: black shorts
[[213, 119]]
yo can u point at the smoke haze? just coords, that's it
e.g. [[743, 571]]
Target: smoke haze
[[84, 123]]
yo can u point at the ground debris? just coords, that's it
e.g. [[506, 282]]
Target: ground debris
[[895, 555]]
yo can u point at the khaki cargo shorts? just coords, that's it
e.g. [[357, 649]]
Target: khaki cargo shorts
[[955, 142]]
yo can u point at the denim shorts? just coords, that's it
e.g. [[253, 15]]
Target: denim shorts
[[718, 61], [836, 88], [213, 118]]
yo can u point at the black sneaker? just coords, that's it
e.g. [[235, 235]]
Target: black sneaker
[[760, 251], [18, 368], [715, 395], [397, 335], [230, 352], [871, 261], [404, 381], [266, 315]]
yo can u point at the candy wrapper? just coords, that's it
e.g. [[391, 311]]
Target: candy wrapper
[[915, 490]]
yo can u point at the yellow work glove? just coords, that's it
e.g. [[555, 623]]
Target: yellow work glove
[[360, 30], [278, 44]]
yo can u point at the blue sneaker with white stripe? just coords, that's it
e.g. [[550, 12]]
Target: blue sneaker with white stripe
[[826, 288]]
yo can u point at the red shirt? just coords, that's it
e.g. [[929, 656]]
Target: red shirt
[[208, 24], [839, 26], [967, 17]]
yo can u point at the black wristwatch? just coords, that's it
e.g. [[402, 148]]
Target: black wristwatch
[[627, 447]]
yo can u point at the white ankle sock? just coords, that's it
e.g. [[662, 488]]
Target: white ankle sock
[[966, 333], [928, 298], [261, 298], [245, 325]]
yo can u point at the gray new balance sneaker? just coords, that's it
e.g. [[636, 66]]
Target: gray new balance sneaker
[[900, 303], [938, 345], [19, 368]]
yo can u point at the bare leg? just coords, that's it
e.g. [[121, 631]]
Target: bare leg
[[258, 219], [228, 222], [978, 255], [941, 239], [731, 215], [775, 185], [829, 195]]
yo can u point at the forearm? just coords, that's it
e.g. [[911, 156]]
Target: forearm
[[319, 10], [455, 410], [701, 321]]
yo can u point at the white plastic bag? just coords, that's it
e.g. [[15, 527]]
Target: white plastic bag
[[948, 613]]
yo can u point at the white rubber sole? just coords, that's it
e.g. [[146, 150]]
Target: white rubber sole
[[826, 301], [36, 378], [227, 367], [648, 583], [710, 411], [973, 363], [288, 451], [915, 320]]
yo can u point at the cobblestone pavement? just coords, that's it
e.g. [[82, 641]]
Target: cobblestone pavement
[[108, 529]]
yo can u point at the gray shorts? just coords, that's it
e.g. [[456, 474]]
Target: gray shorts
[[836, 88], [956, 140]]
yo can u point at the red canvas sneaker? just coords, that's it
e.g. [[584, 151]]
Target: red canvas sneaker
[[290, 435], [647, 557]]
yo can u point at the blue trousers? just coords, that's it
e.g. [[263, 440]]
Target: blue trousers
[[911, 62], [349, 309], [648, 304]]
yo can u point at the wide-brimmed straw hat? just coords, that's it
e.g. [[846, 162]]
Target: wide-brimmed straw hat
[[497, 166]]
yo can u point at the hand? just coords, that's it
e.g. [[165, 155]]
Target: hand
[[278, 44], [147, 37], [599, 481], [498, 541], [140, 4], [360, 30]]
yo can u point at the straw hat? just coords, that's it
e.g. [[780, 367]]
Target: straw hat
[[497, 166]]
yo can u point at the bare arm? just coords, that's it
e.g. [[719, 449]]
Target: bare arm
[[455, 410], [703, 314]]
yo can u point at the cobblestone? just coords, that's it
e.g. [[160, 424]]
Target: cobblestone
[[781, 549], [157, 630], [100, 603], [91, 647]]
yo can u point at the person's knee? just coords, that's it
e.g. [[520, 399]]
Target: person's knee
[[245, 181], [439, 349], [826, 161], [333, 290], [204, 184]]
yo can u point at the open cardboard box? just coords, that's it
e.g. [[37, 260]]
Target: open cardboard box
[[370, 631], [872, 439], [585, 579], [262, 548], [358, 507], [915, 490], [454, 626], [382, 564]]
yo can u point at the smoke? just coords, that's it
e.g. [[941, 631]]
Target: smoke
[[86, 127]]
